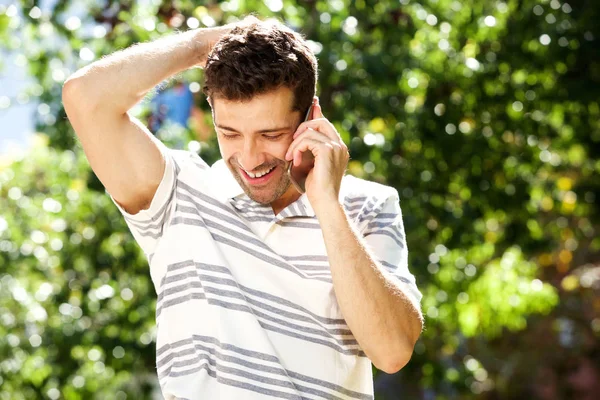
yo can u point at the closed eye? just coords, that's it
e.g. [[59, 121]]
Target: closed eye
[[235, 135], [273, 137]]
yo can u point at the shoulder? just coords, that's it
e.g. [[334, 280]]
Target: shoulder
[[364, 201], [184, 159], [354, 189]]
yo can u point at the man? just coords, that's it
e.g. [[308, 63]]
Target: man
[[262, 292]]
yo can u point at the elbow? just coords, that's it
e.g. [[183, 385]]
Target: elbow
[[84, 95], [79, 100], [67, 90], [74, 102], [392, 368], [74, 84], [395, 357], [71, 93], [394, 361]]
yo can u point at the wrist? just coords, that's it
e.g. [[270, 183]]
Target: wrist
[[325, 205], [203, 40]]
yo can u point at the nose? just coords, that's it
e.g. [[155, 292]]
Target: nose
[[251, 156]]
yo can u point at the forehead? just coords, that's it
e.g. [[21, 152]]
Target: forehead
[[275, 105]]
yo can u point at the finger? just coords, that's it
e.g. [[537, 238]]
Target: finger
[[313, 145], [317, 111], [320, 125], [297, 158], [312, 106], [300, 146], [309, 144], [309, 133]]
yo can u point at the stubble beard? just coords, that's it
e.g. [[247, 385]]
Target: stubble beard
[[264, 196]]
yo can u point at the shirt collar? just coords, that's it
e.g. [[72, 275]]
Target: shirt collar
[[224, 183], [229, 191]]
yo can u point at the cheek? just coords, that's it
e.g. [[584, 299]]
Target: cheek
[[280, 148], [227, 148], [223, 150], [285, 143], [276, 149]]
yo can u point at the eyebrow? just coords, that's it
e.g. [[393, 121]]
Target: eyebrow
[[270, 130]]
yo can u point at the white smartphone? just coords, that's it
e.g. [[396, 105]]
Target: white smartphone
[[299, 173]]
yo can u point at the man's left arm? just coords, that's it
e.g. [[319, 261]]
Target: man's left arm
[[380, 314], [383, 318]]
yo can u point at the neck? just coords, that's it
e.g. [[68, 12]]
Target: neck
[[290, 196]]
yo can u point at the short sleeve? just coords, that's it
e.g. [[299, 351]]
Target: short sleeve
[[147, 226], [384, 233]]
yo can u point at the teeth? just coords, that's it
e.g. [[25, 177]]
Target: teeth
[[252, 175]]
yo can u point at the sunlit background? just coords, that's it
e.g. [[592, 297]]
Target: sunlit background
[[484, 115]]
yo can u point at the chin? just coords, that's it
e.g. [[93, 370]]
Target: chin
[[268, 195], [259, 198]]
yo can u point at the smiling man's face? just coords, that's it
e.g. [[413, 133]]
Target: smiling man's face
[[253, 138]]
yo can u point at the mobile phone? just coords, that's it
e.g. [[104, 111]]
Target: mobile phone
[[299, 173]]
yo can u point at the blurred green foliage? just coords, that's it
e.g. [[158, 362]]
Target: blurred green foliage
[[484, 115], [74, 288]]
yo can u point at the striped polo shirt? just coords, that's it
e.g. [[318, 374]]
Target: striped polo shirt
[[246, 305]]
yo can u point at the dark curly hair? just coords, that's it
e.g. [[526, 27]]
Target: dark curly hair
[[260, 57]]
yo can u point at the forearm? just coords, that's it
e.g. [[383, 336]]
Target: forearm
[[122, 79], [382, 318]]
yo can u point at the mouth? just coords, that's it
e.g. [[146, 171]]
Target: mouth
[[261, 180]]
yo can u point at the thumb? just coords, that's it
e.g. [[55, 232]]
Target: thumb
[[317, 111]]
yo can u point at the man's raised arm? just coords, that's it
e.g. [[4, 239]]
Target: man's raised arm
[[124, 155]]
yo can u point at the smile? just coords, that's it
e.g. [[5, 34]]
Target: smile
[[258, 179]]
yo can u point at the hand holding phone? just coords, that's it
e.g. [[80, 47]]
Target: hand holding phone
[[299, 173]]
